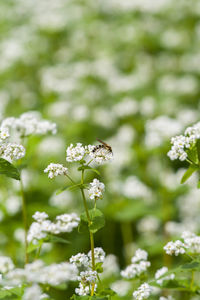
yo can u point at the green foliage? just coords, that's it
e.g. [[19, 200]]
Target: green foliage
[[7, 169], [97, 220]]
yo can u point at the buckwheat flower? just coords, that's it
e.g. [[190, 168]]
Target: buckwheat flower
[[160, 273], [139, 255], [67, 222], [143, 292], [192, 241], [4, 134], [32, 293], [88, 277], [80, 260], [110, 266], [54, 170], [100, 155], [75, 153], [40, 216], [134, 270], [175, 248], [96, 189], [12, 151], [179, 145], [166, 298], [84, 290], [99, 254], [6, 264]]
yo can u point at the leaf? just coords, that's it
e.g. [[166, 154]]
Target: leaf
[[98, 267], [107, 292], [198, 149], [194, 265], [188, 173], [55, 239], [97, 219], [6, 168]]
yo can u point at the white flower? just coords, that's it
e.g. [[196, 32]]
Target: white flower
[[99, 254], [192, 241], [160, 273], [175, 248], [67, 222], [100, 154], [80, 260], [6, 264], [96, 190], [84, 290], [75, 153], [55, 170], [88, 277], [166, 298], [12, 151], [32, 293], [4, 134], [40, 216], [139, 255], [134, 270], [121, 287], [143, 292]]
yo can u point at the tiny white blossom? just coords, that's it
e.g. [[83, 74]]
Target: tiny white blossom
[[160, 273], [100, 154], [121, 287], [75, 153], [40, 216], [54, 170], [12, 151], [6, 264], [4, 134], [96, 189], [175, 248], [143, 292], [32, 293], [134, 270], [88, 277], [80, 260], [192, 241], [99, 254], [139, 255]]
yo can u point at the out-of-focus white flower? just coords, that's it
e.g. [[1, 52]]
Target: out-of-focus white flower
[[40, 216], [32, 293], [75, 153], [6, 264], [166, 298], [13, 204], [139, 255], [110, 266], [121, 287], [192, 241], [175, 248], [148, 224], [134, 188], [96, 189], [54, 170], [160, 273], [143, 292], [4, 134]]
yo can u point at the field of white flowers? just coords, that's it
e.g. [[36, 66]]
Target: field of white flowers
[[100, 150]]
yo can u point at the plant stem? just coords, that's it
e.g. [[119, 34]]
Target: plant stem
[[91, 234], [24, 213], [192, 281]]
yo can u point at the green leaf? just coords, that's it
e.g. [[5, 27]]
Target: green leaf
[[198, 184], [194, 265], [6, 168], [198, 150], [55, 239], [98, 267], [106, 292], [97, 219], [188, 173]]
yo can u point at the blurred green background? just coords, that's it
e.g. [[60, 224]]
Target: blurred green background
[[126, 72]]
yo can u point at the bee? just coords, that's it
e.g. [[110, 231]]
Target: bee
[[103, 145]]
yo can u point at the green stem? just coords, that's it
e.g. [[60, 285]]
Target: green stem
[[91, 234], [70, 178], [24, 213], [192, 281], [38, 252]]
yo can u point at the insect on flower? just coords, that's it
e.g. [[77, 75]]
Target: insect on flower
[[103, 145]]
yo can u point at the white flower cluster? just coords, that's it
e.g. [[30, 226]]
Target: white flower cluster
[[175, 248], [12, 151], [54, 170], [96, 189], [75, 153], [143, 292], [6, 264], [181, 143], [87, 276], [139, 265], [42, 227], [29, 123], [159, 275], [100, 154], [192, 241], [166, 298], [121, 287], [34, 293], [37, 272]]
